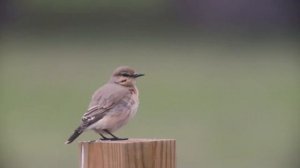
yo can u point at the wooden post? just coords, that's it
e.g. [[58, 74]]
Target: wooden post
[[132, 153]]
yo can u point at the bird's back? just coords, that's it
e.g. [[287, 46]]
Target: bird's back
[[108, 94]]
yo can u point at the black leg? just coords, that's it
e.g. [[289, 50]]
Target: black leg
[[115, 138], [103, 137]]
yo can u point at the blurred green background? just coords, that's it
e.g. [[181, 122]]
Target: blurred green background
[[226, 91]]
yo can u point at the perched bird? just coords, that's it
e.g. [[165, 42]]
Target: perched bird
[[111, 106]]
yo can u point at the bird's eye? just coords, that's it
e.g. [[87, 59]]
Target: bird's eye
[[125, 74]]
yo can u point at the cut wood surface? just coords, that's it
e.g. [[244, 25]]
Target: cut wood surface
[[132, 153]]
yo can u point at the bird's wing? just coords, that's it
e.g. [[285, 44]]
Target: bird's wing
[[102, 101]]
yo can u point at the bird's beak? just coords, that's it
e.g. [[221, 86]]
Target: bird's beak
[[138, 75]]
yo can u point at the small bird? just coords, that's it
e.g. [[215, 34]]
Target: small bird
[[111, 106]]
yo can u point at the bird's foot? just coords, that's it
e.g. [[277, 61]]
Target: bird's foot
[[113, 139], [118, 139]]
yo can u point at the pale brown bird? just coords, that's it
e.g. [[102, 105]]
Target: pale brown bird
[[111, 106]]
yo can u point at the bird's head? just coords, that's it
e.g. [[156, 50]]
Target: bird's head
[[125, 76]]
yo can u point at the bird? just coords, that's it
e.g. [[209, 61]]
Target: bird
[[111, 106]]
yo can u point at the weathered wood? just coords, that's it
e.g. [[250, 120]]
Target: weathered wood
[[132, 153]]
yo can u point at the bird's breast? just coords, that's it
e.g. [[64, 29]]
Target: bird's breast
[[134, 109], [127, 106], [134, 102], [120, 114]]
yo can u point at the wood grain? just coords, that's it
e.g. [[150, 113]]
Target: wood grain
[[132, 153]]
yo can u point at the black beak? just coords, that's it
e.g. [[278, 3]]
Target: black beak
[[138, 75]]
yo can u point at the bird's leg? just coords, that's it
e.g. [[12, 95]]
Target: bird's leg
[[103, 137], [115, 138]]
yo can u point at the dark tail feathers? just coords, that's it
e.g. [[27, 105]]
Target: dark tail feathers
[[76, 133]]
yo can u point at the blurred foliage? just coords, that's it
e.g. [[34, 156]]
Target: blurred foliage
[[90, 6]]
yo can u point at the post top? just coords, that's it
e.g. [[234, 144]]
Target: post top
[[131, 140]]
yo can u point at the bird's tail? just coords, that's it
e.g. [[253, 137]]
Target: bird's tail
[[76, 133]]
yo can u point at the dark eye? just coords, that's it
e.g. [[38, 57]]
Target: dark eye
[[125, 74]]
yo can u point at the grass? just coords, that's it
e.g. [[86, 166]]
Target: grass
[[228, 102]]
